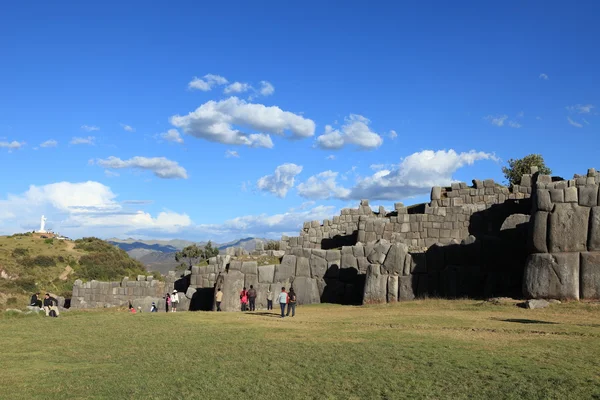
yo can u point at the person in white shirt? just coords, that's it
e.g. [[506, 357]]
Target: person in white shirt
[[269, 300], [283, 299], [174, 301]]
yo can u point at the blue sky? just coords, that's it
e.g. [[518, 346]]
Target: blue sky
[[207, 121]]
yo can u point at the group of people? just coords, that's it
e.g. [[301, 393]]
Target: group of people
[[49, 304], [248, 300], [171, 301]]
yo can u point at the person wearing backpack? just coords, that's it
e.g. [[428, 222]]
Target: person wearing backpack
[[252, 298], [283, 299], [291, 303], [50, 306]]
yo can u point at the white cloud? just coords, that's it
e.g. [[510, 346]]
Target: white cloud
[[266, 88], [355, 131], [215, 120], [322, 186], [544, 77], [128, 128], [231, 154], [81, 209], [415, 175], [237, 87], [520, 114], [14, 145], [514, 124], [393, 134], [281, 181], [172, 135], [159, 166], [207, 83], [91, 140], [497, 120], [575, 124], [330, 157], [89, 128], [111, 174], [49, 143], [377, 167], [581, 108]]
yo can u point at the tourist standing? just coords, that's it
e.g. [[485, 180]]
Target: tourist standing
[[291, 303], [244, 298], [252, 298], [174, 301], [167, 302], [283, 299], [219, 299], [269, 299]]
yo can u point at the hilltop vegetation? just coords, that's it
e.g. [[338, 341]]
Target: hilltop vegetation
[[30, 263]]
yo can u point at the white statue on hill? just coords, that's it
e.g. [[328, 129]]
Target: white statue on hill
[[42, 225]]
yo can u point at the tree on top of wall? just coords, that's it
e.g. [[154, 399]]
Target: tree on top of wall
[[193, 254], [521, 166]]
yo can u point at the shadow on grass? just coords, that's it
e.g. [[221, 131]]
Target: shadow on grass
[[525, 321], [264, 314]]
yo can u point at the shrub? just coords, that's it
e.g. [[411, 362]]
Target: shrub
[[44, 261], [49, 241], [517, 168], [105, 262], [20, 252], [272, 245]]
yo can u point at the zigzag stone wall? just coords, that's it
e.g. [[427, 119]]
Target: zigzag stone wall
[[565, 239]]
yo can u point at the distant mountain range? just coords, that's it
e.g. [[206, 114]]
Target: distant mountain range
[[159, 255]]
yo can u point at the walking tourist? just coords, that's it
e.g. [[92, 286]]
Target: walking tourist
[[283, 299], [291, 303], [269, 299], [219, 298], [174, 301], [252, 298]]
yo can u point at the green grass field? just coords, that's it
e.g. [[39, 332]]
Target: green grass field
[[430, 349]]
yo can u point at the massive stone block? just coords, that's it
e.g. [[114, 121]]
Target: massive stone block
[[286, 270], [568, 228], [590, 275], [594, 234], [307, 290], [405, 288], [543, 200], [392, 288], [250, 280], [552, 276], [588, 195], [394, 261], [250, 267], [302, 267], [232, 285], [348, 259], [375, 286], [539, 232], [266, 273], [318, 266]]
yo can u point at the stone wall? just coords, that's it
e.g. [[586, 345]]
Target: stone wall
[[447, 217], [564, 239]]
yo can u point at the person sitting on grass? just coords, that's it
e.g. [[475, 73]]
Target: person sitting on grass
[[283, 299], [50, 304], [35, 300], [153, 307]]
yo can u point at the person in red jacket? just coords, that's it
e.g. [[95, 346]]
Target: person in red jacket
[[244, 299]]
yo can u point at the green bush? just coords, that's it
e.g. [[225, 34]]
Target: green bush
[[49, 241], [44, 261], [105, 262], [20, 252], [272, 245]]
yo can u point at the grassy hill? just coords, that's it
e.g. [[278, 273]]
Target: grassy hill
[[30, 263]]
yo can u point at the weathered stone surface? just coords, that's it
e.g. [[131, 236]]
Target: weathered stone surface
[[233, 283], [407, 265], [514, 220], [190, 292], [302, 267], [571, 195], [266, 273], [588, 195], [536, 303], [539, 229], [568, 228], [318, 266], [235, 265], [594, 234], [557, 195], [552, 276], [543, 200], [286, 270], [436, 193], [394, 260], [333, 255], [590, 275], [375, 286], [348, 259], [405, 288], [392, 288], [307, 290], [250, 267], [250, 280]]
